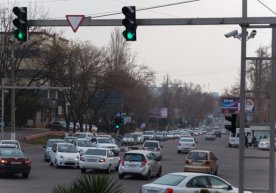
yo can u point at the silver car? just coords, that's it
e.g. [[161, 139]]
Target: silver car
[[99, 159], [154, 146], [140, 163]]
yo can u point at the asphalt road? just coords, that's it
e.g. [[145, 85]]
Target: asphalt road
[[44, 177]]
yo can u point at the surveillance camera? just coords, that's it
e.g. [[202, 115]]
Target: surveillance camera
[[252, 34], [231, 34]]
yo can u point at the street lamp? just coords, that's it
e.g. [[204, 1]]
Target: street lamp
[[236, 34]]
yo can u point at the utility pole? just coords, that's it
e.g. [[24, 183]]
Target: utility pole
[[12, 95]]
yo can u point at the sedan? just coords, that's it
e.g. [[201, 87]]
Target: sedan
[[186, 144], [99, 159], [189, 183], [202, 161], [210, 136], [14, 161]]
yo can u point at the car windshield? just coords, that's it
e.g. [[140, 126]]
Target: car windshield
[[69, 139], [150, 144], [104, 140], [134, 157], [11, 153], [198, 156], [169, 180], [80, 135], [101, 152], [148, 132], [186, 140], [51, 143], [85, 143], [67, 148]]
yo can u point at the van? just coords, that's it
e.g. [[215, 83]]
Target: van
[[234, 139]]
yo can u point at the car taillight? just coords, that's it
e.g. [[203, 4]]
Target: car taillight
[[2, 161], [169, 190], [144, 162], [187, 162], [207, 162], [27, 161], [143, 148], [122, 162], [82, 159]]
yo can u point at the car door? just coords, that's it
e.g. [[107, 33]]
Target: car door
[[154, 163], [218, 185], [198, 183], [53, 153], [111, 157]]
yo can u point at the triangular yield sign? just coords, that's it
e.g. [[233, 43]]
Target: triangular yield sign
[[74, 21]]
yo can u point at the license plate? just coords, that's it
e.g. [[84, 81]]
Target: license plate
[[197, 163], [131, 165], [152, 191], [16, 163]]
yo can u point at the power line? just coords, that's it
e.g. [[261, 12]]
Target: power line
[[266, 7]]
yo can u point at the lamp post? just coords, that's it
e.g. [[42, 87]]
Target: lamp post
[[12, 96]]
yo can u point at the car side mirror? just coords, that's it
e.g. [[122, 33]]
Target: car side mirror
[[44, 146]]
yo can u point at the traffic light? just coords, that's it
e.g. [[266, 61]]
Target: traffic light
[[21, 23], [118, 122], [233, 120], [130, 23]]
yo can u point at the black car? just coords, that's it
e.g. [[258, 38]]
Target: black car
[[58, 125], [14, 161]]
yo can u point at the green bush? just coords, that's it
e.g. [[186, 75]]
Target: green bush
[[43, 140], [91, 183]]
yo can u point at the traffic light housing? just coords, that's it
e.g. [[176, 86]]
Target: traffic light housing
[[118, 122], [130, 23], [21, 23], [233, 119]]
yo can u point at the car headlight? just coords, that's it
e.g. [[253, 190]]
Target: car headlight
[[102, 160]]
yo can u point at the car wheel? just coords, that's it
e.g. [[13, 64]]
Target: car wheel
[[121, 176], [25, 174], [56, 164], [147, 177], [178, 151], [216, 172], [108, 170], [51, 163], [159, 172], [83, 170]]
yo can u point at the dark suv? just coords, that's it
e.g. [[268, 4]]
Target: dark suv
[[58, 124]]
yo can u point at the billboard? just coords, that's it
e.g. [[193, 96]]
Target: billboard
[[158, 112], [232, 105]]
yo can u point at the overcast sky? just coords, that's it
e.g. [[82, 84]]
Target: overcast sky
[[198, 54]]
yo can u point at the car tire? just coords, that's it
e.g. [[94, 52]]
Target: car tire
[[159, 172], [216, 172], [51, 163], [178, 151], [121, 176], [108, 170], [25, 174], [83, 170], [148, 175]]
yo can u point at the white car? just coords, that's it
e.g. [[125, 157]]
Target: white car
[[99, 159], [186, 144], [104, 142], [64, 154], [11, 142], [140, 163], [82, 144], [189, 183]]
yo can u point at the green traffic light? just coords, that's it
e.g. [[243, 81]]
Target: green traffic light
[[20, 36], [130, 36], [117, 126]]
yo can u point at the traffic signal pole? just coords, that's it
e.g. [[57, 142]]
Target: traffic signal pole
[[244, 22]]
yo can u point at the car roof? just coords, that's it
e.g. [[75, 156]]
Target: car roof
[[139, 151], [190, 174], [13, 140], [198, 150], [8, 146], [152, 141]]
